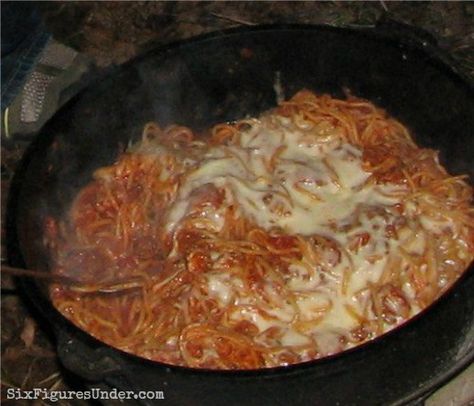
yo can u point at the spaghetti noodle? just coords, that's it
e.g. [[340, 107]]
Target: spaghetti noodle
[[272, 241]]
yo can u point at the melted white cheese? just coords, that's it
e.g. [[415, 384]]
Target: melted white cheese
[[302, 182], [310, 185]]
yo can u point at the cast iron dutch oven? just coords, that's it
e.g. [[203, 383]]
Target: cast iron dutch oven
[[225, 76]]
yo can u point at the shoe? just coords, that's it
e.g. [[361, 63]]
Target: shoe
[[56, 77]]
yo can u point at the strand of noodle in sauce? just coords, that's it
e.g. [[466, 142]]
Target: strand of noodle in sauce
[[283, 239]]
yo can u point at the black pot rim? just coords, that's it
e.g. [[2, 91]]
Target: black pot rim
[[59, 322]]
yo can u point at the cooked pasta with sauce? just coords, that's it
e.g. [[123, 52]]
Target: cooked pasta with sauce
[[270, 241]]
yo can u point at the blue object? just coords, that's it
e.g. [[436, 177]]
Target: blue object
[[23, 38]]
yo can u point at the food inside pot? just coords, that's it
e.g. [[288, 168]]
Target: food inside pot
[[270, 241]]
